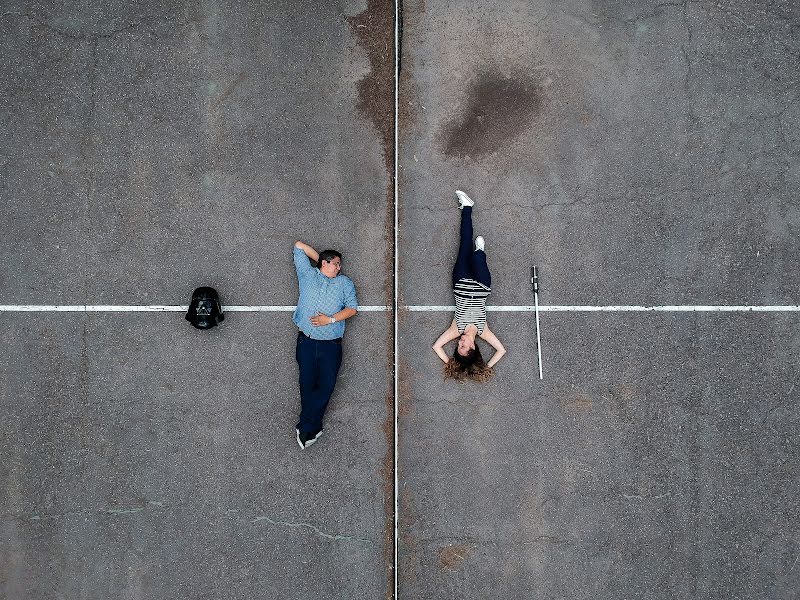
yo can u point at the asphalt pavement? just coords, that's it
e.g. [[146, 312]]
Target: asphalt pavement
[[640, 153], [151, 148]]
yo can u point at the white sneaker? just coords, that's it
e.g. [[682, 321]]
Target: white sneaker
[[479, 243], [309, 439], [464, 200]]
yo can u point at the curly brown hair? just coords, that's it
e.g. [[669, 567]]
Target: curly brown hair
[[472, 366]]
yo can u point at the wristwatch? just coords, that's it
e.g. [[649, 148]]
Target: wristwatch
[[333, 320]]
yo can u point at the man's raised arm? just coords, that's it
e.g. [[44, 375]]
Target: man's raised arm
[[308, 250]]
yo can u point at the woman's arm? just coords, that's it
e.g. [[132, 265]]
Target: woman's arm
[[309, 251], [499, 349], [450, 334]]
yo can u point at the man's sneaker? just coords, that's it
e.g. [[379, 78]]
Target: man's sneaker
[[305, 439], [313, 438], [464, 200], [479, 243]]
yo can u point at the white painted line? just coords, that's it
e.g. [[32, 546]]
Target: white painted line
[[579, 308], [396, 300], [154, 308], [412, 308], [258, 309], [89, 308]]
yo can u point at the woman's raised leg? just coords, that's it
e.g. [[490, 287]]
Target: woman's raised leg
[[463, 267]]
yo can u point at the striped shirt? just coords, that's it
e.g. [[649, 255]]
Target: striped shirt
[[470, 298]]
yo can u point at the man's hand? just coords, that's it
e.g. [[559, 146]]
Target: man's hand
[[308, 250], [319, 319]]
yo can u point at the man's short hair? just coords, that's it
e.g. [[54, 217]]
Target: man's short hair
[[328, 256]]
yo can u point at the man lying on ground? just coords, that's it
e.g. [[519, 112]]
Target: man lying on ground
[[326, 300]]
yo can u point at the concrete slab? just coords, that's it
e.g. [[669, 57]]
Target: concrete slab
[[658, 458], [639, 153], [161, 147], [150, 148], [143, 458]]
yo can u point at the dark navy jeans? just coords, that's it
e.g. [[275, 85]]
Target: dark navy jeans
[[319, 362], [470, 264]]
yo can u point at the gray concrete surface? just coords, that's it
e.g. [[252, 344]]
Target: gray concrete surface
[[639, 153], [657, 459], [154, 146], [149, 148], [145, 459]]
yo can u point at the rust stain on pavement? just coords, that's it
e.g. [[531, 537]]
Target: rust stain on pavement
[[374, 30], [228, 91], [581, 402], [452, 555]]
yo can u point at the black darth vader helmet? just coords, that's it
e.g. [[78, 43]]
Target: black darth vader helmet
[[205, 310]]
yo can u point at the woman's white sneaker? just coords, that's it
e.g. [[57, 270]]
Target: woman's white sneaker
[[464, 200], [479, 243]]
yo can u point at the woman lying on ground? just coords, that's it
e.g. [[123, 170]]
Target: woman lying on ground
[[471, 286]]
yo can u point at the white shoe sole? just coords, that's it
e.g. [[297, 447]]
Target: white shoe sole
[[309, 442], [480, 244], [314, 439], [464, 200]]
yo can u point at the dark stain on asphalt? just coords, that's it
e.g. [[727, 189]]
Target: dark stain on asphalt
[[498, 109], [621, 399], [374, 29]]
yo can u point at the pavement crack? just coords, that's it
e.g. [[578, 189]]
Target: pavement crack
[[784, 109], [69, 34], [657, 9], [781, 404], [460, 404], [89, 155], [299, 524], [150, 505], [228, 91], [535, 208], [111, 511], [642, 497], [529, 541], [691, 118], [545, 539]]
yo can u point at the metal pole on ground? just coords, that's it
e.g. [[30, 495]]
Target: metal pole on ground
[[535, 284]]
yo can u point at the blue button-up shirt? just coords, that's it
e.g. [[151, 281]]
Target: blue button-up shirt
[[321, 294]]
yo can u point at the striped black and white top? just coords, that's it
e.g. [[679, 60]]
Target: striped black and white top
[[470, 298]]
